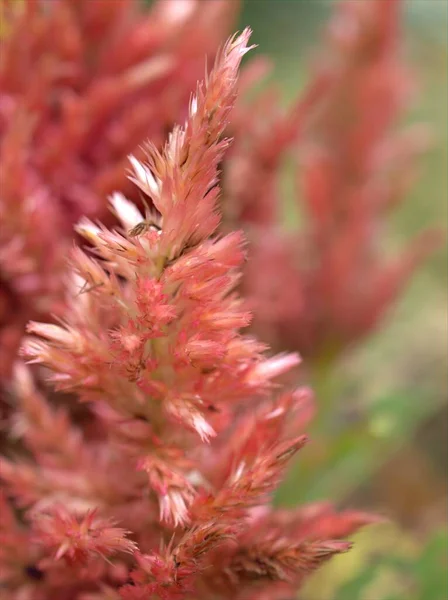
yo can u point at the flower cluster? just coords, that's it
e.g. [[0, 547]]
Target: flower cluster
[[82, 84], [166, 494], [322, 289]]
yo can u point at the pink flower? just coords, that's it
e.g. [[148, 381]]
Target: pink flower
[[76, 539], [164, 487], [324, 288], [82, 85]]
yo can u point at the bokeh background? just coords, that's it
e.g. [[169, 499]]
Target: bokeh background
[[388, 410]]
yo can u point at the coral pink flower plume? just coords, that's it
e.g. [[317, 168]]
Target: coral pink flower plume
[[82, 84], [170, 496]]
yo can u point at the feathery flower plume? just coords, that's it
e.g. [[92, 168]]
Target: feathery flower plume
[[323, 289], [171, 498], [82, 85]]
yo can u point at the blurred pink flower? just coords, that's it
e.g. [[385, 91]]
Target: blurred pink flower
[[324, 288]]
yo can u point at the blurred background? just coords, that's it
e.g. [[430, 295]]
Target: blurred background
[[390, 393]]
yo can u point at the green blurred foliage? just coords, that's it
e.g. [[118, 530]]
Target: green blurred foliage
[[389, 565]]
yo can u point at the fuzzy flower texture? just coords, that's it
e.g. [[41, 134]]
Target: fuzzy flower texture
[[167, 494], [83, 83]]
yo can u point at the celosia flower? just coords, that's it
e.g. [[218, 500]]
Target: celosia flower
[[322, 289], [82, 85], [76, 539], [173, 498]]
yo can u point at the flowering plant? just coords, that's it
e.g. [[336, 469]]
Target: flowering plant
[[325, 286], [82, 85], [163, 489]]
